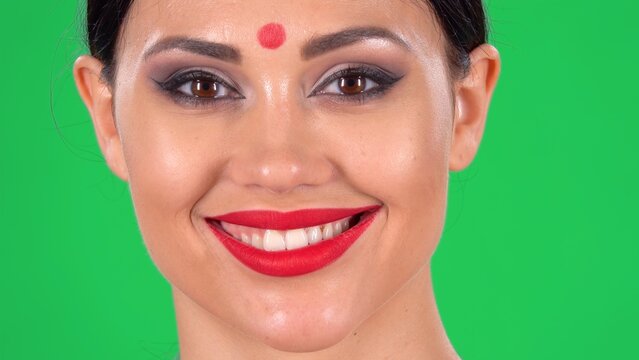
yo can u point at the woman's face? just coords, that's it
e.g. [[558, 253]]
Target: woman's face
[[358, 119]]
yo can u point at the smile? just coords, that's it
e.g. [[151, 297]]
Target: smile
[[278, 240], [291, 243]]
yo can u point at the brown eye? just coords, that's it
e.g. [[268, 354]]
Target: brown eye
[[352, 85], [205, 88], [355, 83]]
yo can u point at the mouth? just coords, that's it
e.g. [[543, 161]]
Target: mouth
[[291, 243]]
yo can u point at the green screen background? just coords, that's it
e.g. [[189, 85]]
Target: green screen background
[[539, 258]]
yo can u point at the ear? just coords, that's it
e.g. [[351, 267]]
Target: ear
[[98, 98], [472, 98]]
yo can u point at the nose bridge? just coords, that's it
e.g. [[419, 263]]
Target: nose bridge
[[276, 149], [278, 112]]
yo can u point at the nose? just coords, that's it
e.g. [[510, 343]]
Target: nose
[[276, 149]]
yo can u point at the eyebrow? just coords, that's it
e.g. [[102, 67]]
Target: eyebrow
[[201, 47], [317, 46]]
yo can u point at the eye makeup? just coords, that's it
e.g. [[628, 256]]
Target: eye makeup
[[176, 87], [353, 84], [358, 76]]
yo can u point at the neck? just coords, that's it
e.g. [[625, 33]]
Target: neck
[[408, 326]]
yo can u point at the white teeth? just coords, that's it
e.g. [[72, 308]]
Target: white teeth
[[273, 241], [256, 241], [227, 227], [278, 240], [245, 238], [314, 235], [337, 228], [327, 233], [296, 239]]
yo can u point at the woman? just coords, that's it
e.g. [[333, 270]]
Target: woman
[[288, 162]]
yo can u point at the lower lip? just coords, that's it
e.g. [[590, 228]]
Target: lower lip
[[298, 261]]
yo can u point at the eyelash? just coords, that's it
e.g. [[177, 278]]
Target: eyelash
[[179, 80], [383, 82]]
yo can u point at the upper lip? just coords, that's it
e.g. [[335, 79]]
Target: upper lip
[[297, 219]]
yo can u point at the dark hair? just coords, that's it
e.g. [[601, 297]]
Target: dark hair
[[463, 23]]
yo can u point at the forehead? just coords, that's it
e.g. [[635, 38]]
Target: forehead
[[237, 22]]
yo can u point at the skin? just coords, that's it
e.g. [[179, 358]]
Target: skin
[[277, 148]]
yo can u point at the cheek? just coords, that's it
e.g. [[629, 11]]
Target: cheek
[[171, 164], [400, 154], [416, 186], [164, 162], [401, 158]]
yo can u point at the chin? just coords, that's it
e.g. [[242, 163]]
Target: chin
[[304, 333]]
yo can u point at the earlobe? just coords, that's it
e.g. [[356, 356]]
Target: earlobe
[[98, 98], [472, 99]]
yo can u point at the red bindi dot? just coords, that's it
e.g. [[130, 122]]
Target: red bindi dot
[[271, 36]]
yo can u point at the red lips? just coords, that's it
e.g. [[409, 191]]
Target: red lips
[[298, 261], [298, 219]]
